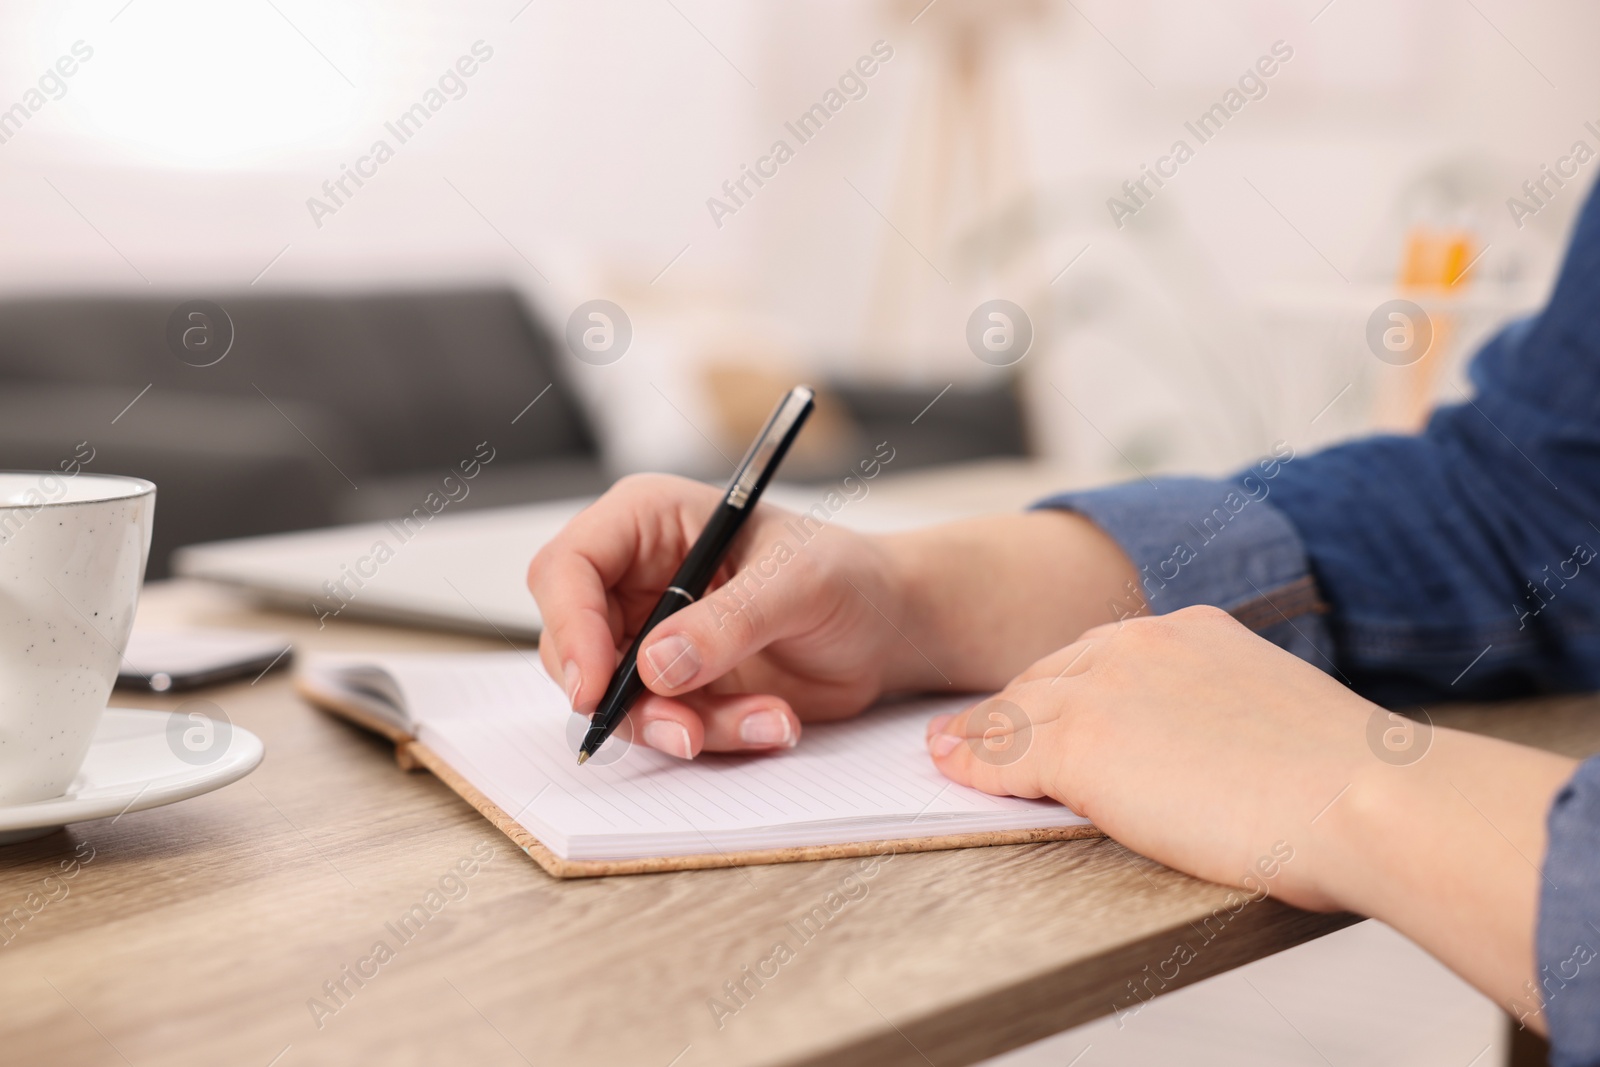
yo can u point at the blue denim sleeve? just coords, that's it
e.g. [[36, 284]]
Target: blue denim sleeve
[[1458, 563], [1220, 542], [1569, 925]]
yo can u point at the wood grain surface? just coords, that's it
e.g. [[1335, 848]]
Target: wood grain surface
[[204, 932]]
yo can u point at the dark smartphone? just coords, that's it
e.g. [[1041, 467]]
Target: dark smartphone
[[164, 661]]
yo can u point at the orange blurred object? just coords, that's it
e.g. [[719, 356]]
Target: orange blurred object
[[1435, 259], [1433, 269]]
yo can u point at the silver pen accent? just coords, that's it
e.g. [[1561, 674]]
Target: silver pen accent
[[756, 460]]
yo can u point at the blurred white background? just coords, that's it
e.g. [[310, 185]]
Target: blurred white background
[[580, 159]]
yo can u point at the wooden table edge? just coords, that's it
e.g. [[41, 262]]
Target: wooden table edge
[[1075, 993]]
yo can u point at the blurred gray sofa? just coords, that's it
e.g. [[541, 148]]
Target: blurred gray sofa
[[327, 408], [345, 407]]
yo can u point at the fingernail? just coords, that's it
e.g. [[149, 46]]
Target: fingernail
[[941, 745], [936, 724], [670, 737], [572, 682], [768, 727], [674, 660]]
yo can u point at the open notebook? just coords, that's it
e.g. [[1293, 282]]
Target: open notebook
[[499, 731]]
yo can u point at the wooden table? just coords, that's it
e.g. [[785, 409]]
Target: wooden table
[[204, 932]]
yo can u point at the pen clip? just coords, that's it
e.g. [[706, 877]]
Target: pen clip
[[769, 445]]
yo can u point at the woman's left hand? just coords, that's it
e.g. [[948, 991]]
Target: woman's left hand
[[1184, 736]]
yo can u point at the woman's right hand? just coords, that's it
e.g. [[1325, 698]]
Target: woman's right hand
[[796, 625]]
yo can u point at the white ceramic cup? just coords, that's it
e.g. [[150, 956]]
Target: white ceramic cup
[[72, 555]]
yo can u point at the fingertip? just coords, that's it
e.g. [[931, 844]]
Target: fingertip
[[773, 727], [949, 748], [670, 663], [948, 753], [745, 722], [571, 682], [549, 658], [669, 726], [670, 737], [579, 654], [945, 733]]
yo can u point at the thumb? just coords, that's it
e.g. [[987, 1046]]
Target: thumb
[[713, 635]]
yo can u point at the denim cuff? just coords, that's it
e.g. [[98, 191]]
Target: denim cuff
[[1218, 542], [1568, 939]]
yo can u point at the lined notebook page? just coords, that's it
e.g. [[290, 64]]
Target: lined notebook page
[[502, 723]]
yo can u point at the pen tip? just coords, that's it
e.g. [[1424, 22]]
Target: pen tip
[[582, 757]]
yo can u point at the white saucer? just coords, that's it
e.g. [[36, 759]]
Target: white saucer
[[132, 765]]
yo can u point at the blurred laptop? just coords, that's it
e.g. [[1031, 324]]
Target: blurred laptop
[[464, 571]]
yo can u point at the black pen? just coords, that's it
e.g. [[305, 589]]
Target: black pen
[[744, 490]]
